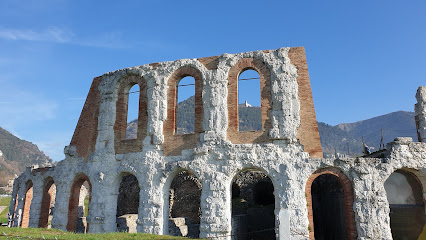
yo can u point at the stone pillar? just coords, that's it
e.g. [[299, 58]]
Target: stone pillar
[[13, 202], [151, 204], [215, 207], [370, 206], [60, 214], [20, 207], [420, 111], [36, 202], [103, 204]]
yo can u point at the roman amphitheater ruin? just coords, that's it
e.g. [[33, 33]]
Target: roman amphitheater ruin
[[219, 182]]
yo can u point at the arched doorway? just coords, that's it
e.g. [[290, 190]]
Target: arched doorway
[[407, 211], [184, 205], [47, 203], [128, 204], [27, 204], [78, 207], [253, 205], [330, 197]]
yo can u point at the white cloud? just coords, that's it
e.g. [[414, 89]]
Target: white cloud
[[52, 34], [111, 39]]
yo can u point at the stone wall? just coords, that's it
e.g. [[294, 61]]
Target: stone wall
[[285, 150]]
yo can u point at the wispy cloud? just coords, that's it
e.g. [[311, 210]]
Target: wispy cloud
[[64, 36], [52, 34]]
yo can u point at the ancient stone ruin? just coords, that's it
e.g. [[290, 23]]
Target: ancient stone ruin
[[218, 181]]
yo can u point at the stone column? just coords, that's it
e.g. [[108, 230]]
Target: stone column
[[370, 206], [36, 202], [20, 207], [60, 213], [420, 111], [13, 201], [215, 207]]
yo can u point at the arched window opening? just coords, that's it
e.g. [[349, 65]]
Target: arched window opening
[[185, 108], [249, 101], [133, 112], [47, 204], [405, 197], [184, 205], [27, 205], [78, 207], [328, 205], [253, 205], [128, 204]]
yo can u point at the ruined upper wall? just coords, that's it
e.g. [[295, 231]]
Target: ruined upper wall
[[286, 104], [420, 111]]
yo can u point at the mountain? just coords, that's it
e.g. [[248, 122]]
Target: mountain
[[16, 154], [343, 138]]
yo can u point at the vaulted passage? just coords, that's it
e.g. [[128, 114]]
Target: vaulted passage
[[184, 206], [47, 203], [407, 213], [128, 204], [328, 206], [78, 207], [253, 205], [27, 204]]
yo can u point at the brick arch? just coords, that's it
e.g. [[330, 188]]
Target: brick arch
[[46, 202], [174, 144], [74, 199], [123, 145], [27, 204], [348, 198], [233, 134]]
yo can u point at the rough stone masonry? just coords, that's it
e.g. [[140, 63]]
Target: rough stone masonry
[[287, 150]]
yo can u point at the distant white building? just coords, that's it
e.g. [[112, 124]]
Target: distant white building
[[245, 104]]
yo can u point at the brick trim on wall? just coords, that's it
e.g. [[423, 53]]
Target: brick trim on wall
[[123, 145], [348, 196], [74, 199], [86, 131], [173, 143], [307, 133], [45, 203], [233, 134], [27, 204]]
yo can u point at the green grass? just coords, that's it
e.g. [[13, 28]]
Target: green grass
[[4, 201], [14, 233]]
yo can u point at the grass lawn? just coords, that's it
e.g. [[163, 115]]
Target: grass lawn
[[40, 233], [4, 201]]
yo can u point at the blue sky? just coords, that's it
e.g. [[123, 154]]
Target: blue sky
[[365, 58]]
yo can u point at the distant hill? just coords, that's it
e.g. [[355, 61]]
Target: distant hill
[[16, 154], [333, 138]]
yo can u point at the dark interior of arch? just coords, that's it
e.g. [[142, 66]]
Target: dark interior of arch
[[407, 213], [185, 198], [128, 196], [328, 205], [253, 205], [127, 203]]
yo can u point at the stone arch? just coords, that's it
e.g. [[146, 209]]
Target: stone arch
[[173, 143], [75, 220], [123, 145], [27, 204], [233, 134], [348, 195], [47, 202], [128, 199], [253, 208], [405, 194], [182, 209]]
